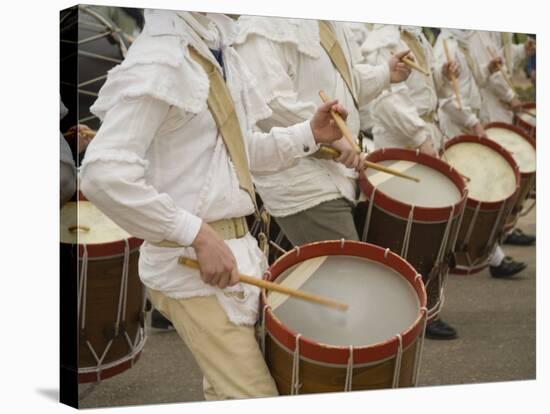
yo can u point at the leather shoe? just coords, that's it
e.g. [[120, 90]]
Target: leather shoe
[[440, 330], [158, 321], [507, 268], [519, 238]]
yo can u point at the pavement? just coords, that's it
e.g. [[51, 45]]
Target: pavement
[[495, 319]]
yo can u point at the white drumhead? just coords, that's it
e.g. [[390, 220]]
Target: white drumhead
[[434, 189], [491, 176], [83, 223], [381, 302], [523, 152], [529, 116]]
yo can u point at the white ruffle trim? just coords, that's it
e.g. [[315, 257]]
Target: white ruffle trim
[[303, 34], [159, 67], [112, 155]]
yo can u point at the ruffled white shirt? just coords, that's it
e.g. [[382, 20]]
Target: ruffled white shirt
[[158, 166], [452, 120], [496, 93], [396, 113], [287, 56]]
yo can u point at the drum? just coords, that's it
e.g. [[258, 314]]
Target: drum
[[376, 343], [417, 220], [111, 297], [523, 150], [527, 119], [101, 46], [492, 179]]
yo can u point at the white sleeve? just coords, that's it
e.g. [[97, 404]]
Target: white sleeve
[[518, 54], [371, 80], [113, 175]]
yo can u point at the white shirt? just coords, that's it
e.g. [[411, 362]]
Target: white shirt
[[287, 55], [158, 166], [496, 93], [397, 112], [452, 120]]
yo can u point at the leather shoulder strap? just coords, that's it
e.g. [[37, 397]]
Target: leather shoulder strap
[[222, 108], [336, 54]]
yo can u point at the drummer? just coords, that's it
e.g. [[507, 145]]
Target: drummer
[[159, 168], [499, 99], [313, 199], [405, 115], [466, 119]]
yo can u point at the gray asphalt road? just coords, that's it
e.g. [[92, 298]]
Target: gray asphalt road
[[495, 319]]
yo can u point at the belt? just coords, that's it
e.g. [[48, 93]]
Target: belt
[[429, 117], [231, 228]]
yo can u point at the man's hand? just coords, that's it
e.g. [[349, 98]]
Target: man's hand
[[530, 47], [479, 130], [450, 69], [495, 64], [348, 156], [217, 264], [427, 148], [324, 128], [515, 104], [84, 136], [399, 72]]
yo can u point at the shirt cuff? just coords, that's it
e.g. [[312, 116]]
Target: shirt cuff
[[303, 140], [186, 230]]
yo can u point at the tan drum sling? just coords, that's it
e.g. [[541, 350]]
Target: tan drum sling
[[222, 108], [336, 54]]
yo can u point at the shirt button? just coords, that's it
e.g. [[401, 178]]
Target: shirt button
[[306, 148]]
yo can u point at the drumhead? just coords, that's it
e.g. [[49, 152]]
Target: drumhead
[[529, 116], [492, 178], [523, 152], [381, 302], [83, 223], [434, 189]]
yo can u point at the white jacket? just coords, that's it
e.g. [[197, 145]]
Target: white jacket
[[287, 56], [158, 166]]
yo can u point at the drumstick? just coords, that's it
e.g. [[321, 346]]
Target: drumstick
[[499, 66], [453, 77], [413, 65], [341, 124], [264, 284], [334, 153]]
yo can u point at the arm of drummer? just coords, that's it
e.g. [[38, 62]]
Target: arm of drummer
[[287, 136], [112, 175]]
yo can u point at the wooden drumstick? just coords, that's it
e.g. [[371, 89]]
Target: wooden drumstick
[[330, 152], [453, 77], [341, 124], [264, 284], [504, 75], [413, 65]]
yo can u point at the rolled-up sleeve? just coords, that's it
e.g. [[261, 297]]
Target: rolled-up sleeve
[[113, 175]]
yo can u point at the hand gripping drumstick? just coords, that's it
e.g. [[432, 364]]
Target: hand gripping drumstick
[[341, 124], [413, 65], [504, 75], [453, 77], [90, 133], [264, 284], [330, 152]]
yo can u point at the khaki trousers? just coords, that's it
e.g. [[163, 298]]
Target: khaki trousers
[[227, 354], [330, 220]]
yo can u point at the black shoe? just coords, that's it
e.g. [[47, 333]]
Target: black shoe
[[440, 330], [519, 238], [507, 268], [158, 321]]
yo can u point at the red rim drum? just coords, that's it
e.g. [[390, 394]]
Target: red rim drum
[[523, 150], [376, 343], [111, 297], [526, 119], [492, 178], [417, 220]]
